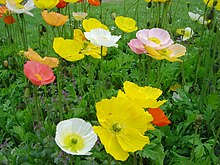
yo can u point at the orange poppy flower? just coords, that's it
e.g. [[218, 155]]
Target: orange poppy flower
[[61, 4], [54, 19], [160, 119], [39, 74], [49, 61], [3, 10], [94, 2], [9, 19]]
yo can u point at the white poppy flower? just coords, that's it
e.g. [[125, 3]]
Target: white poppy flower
[[102, 37], [75, 136], [198, 18], [188, 33], [19, 8]]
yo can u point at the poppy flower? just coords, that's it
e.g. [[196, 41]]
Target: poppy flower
[[186, 33], [102, 37], [126, 24], [9, 19], [75, 136], [61, 4], [18, 8], [137, 46], [171, 53], [68, 49], [3, 10], [79, 16], [49, 61], [94, 2], [46, 4], [213, 3], [92, 23], [145, 97], [156, 38], [160, 119], [198, 18], [39, 74], [54, 19], [122, 126]]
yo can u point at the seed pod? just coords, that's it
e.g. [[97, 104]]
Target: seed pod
[[149, 4]]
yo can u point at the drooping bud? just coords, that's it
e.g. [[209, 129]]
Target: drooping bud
[[113, 16]]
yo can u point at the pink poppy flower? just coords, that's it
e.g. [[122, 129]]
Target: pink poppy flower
[[156, 38], [39, 74], [137, 46]]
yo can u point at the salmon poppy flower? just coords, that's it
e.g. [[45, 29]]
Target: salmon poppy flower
[[61, 4], [39, 74], [54, 19], [94, 2], [160, 119]]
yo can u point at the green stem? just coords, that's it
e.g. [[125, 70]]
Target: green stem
[[149, 61], [135, 159], [81, 91], [37, 107], [193, 149], [140, 68], [60, 97], [159, 73]]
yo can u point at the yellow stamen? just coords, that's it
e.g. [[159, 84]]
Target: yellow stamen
[[116, 128], [154, 39], [165, 52], [38, 77], [73, 142]]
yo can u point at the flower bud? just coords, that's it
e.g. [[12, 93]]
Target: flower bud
[[5, 63], [113, 16], [27, 93]]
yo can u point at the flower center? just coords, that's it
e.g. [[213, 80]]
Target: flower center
[[38, 76], [73, 142], [154, 39], [165, 52], [19, 6], [116, 128]]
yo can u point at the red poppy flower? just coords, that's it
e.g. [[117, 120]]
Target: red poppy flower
[[160, 119], [61, 4], [94, 2], [39, 74], [9, 19]]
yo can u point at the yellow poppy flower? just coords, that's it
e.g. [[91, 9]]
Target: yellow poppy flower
[[92, 23], [68, 49], [171, 53], [54, 19], [89, 49], [156, 0], [94, 51], [126, 24], [46, 4], [146, 96], [71, 1], [118, 132], [49, 61], [212, 3]]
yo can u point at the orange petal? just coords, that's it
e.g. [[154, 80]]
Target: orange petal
[[160, 119]]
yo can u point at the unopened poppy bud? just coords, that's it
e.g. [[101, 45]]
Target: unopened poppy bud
[[215, 2], [210, 15], [149, 4], [200, 50], [27, 93], [5, 63], [188, 4], [113, 15], [21, 53]]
